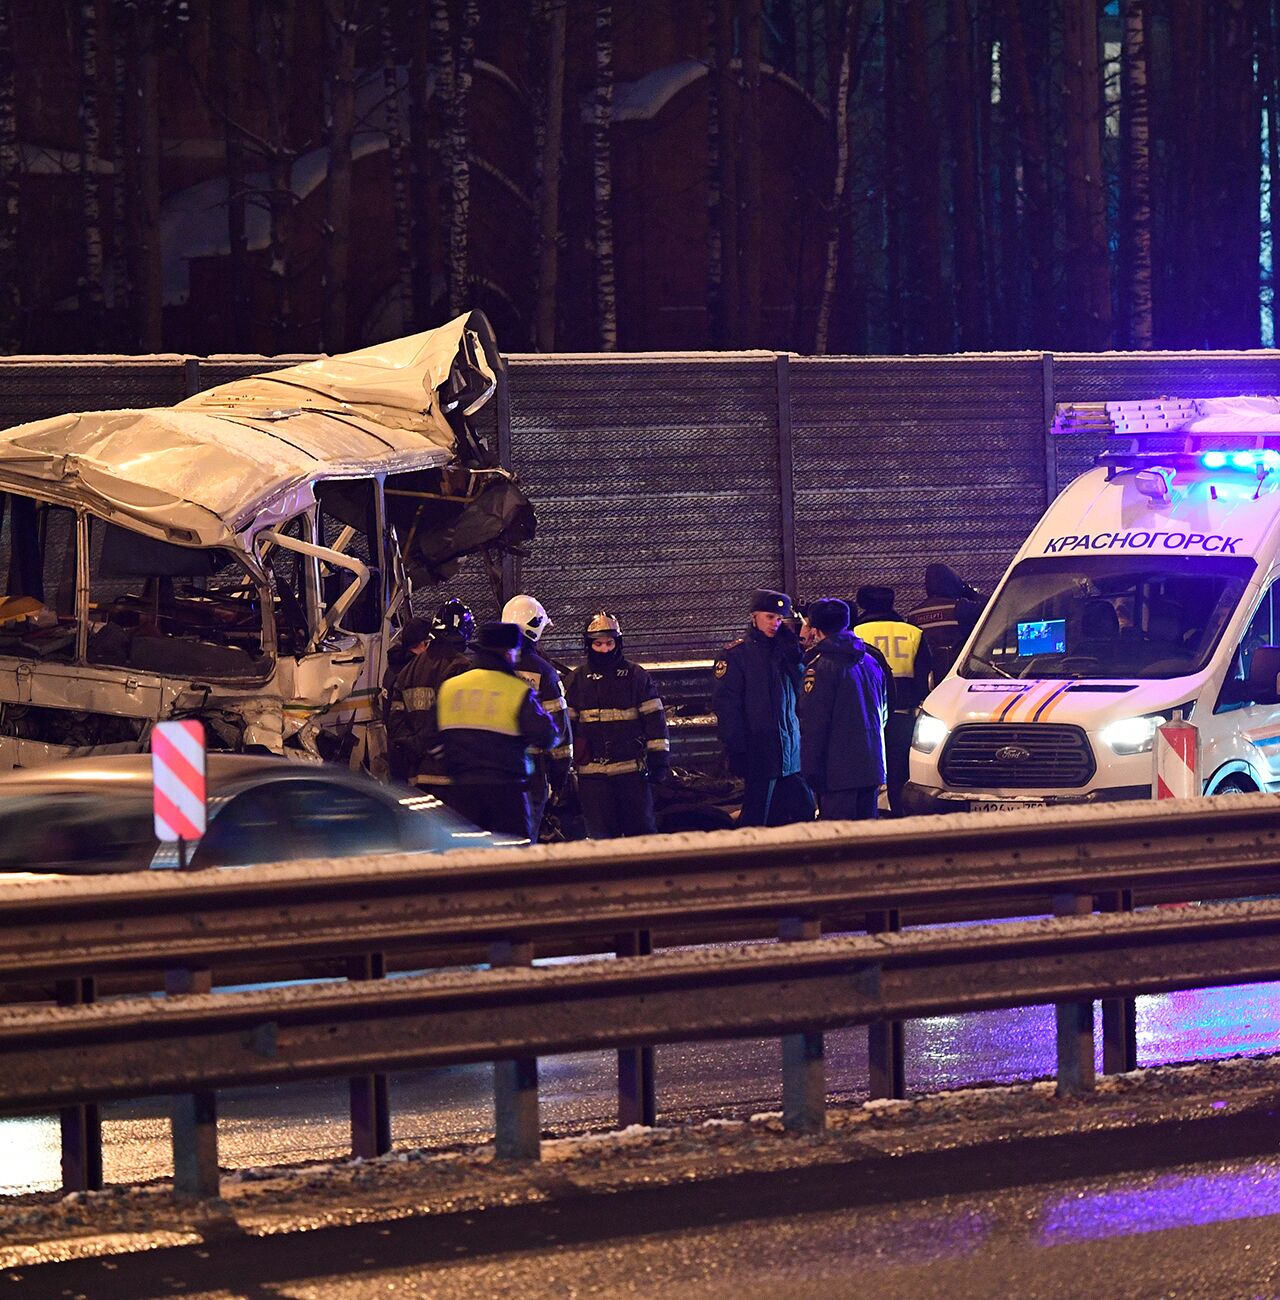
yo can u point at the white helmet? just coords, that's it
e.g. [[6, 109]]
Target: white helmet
[[529, 614]]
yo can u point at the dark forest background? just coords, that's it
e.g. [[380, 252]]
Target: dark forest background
[[848, 176]]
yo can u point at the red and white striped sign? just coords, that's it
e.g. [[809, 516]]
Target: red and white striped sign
[[1177, 761], [177, 774]]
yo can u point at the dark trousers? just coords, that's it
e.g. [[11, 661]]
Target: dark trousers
[[858, 804], [897, 756], [614, 806], [776, 801], [499, 807]]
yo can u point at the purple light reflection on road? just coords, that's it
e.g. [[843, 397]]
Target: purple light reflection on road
[[1204, 1024], [1168, 1202]]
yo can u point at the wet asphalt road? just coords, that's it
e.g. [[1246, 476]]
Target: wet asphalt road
[[1193, 1214], [694, 1081]]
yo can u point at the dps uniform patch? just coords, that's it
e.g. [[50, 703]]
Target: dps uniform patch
[[809, 680], [721, 668]]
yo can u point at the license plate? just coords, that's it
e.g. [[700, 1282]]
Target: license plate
[[1003, 805]]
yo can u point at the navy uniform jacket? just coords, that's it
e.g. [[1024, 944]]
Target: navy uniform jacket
[[488, 721], [843, 707], [757, 681], [540, 673], [411, 719]]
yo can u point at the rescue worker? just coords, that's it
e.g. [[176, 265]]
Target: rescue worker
[[907, 654], [949, 613], [757, 680], [843, 709], [412, 641], [488, 720], [411, 726], [550, 765], [619, 735]]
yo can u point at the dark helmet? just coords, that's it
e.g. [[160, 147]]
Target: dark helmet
[[601, 623], [454, 619]]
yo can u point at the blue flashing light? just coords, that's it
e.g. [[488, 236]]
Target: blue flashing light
[[1242, 460]]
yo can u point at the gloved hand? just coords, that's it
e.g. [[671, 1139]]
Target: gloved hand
[[658, 768]]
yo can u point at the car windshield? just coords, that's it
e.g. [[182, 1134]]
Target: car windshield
[[1108, 616]]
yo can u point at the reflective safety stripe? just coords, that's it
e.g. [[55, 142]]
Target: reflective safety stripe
[[554, 706], [435, 778], [561, 751], [606, 715], [898, 642], [482, 700], [573, 715], [658, 745], [651, 706], [419, 698], [607, 769]]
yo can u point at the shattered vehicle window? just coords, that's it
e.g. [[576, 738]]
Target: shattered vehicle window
[[178, 610], [348, 522], [286, 572], [38, 568]]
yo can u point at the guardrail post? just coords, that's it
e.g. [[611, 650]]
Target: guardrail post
[[80, 1125], [1119, 1015], [886, 1040], [804, 1074], [194, 1115], [1074, 1019], [370, 1101], [637, 1097], [517, 1133]]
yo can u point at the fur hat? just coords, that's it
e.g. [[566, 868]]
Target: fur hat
[[499, 636], [771, 602], [873, 600], [829, 616]]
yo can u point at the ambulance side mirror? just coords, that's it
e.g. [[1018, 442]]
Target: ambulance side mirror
[[1264, 671]]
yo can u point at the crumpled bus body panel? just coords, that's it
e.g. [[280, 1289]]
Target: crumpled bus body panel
[[231, 558]]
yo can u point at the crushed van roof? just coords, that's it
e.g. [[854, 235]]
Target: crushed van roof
[[202, 470]]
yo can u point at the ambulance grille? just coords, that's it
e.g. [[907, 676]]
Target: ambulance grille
[[989, 756]]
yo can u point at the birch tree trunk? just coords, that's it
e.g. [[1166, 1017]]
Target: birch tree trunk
[[968, 274], [90, 288], [1138, 175], [424, 152], [343, 29], [10, 170], [147, 274], [602, 177], [443, 140], [723, 282], [927, 314], [840, 137], [552, 27], [275, 57], [398, 166], [460, 163], [751, 197], [1087, 264]]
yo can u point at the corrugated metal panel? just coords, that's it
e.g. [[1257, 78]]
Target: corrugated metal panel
[[35, 388], [903, 461], [656, 483]]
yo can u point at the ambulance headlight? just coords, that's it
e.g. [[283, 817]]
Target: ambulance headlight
[[930, 732], [1132, 735]]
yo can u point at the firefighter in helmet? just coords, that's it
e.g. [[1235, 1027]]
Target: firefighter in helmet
[[411, 719], [550, 765], [620, 734]]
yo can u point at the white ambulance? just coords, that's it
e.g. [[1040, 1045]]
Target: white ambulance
[[1150, 589]]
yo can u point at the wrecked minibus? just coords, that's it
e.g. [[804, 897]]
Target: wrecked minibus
[[245, 556], [1149, 590]]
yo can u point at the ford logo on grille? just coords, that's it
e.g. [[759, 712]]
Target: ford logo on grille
[[1012, 754]]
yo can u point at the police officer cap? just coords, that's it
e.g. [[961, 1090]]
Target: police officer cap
[[771, 602], [873, 598], [499, 636], [829, 616]]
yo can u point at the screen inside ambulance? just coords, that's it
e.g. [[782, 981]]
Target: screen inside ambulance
[[1108, 616]]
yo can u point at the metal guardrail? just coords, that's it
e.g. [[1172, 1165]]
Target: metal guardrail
[[792, 878]]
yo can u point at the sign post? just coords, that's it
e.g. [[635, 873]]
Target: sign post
[[178, 781]]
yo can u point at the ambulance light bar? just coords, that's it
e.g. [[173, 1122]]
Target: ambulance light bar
[[1249, 461]]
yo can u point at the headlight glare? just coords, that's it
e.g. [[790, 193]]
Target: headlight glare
[[1132, 735], [930, 732]]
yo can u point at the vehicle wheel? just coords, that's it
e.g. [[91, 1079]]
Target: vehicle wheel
[[1237, 784]]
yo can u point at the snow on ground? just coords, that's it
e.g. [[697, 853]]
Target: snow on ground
[[264, 1201]]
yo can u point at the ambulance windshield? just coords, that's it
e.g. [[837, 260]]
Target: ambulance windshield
[[1113, 616]]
